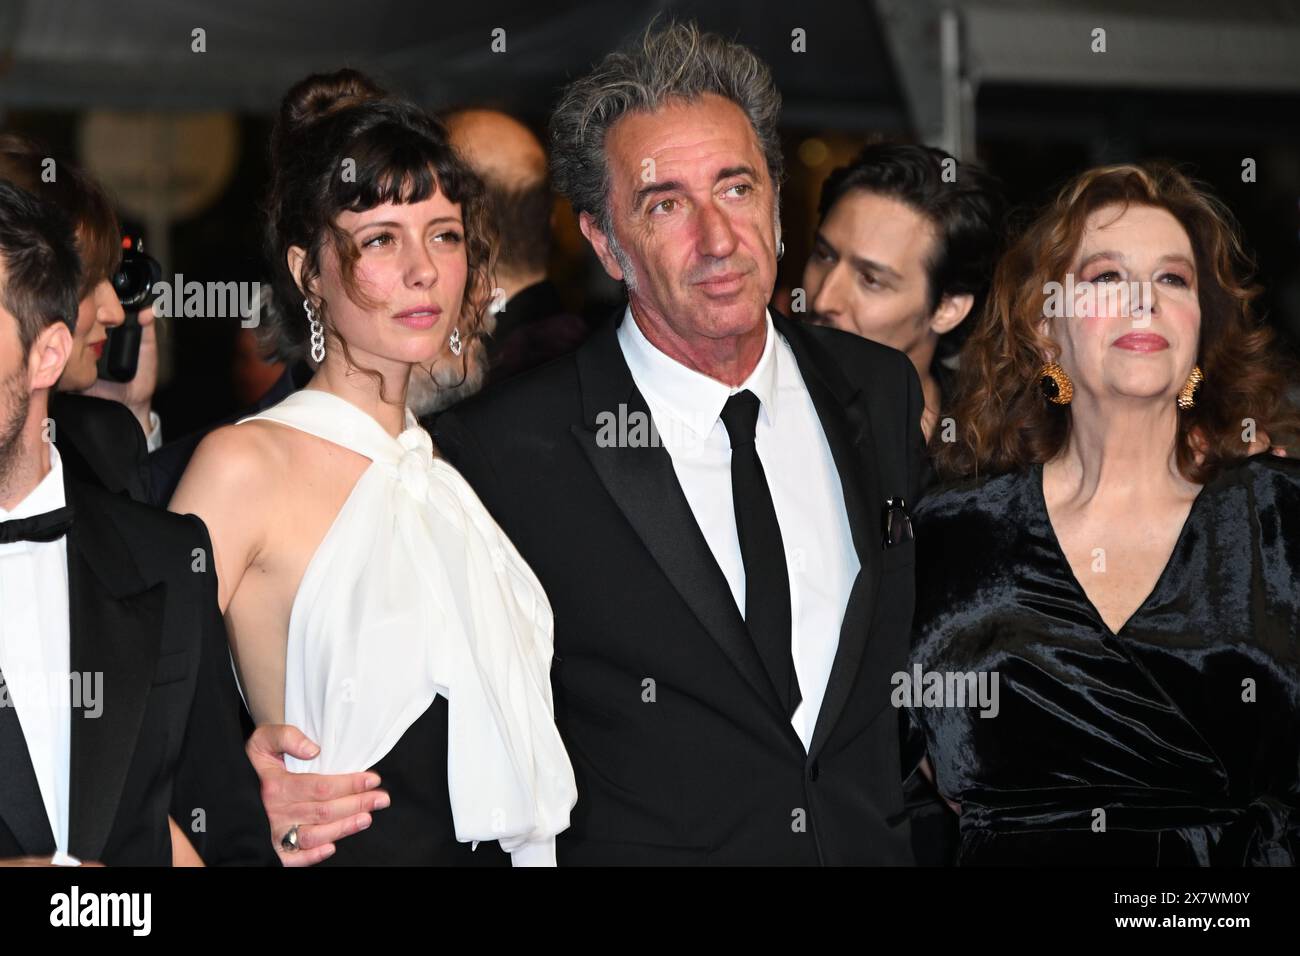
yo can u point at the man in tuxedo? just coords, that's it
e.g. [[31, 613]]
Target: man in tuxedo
[[119, 719], [732, 586]]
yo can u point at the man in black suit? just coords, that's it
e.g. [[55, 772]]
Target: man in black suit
[[732, 585], [119, 725]]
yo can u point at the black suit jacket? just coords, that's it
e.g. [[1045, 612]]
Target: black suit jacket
[[102, 444], [167, 739], [679, 743], [533, 328]]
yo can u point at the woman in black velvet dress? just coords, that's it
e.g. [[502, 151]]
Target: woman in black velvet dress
[[1113, 560]]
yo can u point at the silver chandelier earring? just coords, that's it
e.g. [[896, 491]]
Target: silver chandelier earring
[[317, 333], [454, 343]]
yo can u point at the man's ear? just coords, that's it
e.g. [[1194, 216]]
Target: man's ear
[[600, 243], [49, 355], [952, 310], [294, 259]]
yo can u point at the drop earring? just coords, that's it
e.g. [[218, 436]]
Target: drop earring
[[454, 343], [317, 333], [1055, 384], [1187, 395]]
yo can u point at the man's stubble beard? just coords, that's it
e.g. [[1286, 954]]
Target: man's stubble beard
[[15, 403]]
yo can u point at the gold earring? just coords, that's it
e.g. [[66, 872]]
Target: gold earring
[[1187, 397], [1055, 384]]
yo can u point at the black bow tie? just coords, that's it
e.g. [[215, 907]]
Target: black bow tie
[[49, 526]]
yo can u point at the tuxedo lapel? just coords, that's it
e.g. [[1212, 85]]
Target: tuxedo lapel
[[644, 485], [21, 806], [116, 622], [846, 422]]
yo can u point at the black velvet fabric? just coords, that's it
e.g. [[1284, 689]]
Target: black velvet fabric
[[1183, 729]]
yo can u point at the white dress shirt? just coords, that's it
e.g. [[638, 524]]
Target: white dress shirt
[[686, 407], [34, 647]]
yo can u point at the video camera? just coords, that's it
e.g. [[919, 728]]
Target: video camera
[[133, 282]]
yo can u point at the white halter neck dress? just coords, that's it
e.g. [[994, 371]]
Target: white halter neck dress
[[415, 591]]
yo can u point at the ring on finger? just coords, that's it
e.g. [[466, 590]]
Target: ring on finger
[[290, 841]]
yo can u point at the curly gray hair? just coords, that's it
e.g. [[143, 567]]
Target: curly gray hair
[[676, 62]]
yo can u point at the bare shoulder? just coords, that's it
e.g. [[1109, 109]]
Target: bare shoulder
[[234, 463], [254, 443], [232, 483]]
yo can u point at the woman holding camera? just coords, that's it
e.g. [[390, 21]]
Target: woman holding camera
[[98, 442]]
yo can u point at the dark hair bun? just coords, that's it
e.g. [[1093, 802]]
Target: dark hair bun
[[318, 96]]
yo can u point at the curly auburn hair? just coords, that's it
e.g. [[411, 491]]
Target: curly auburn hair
[[1003, 421], [399, 154]]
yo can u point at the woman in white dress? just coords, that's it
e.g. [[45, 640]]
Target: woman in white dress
[[370, 599]]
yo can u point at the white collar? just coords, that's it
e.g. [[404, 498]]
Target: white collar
[[690, 397], [46, 496]]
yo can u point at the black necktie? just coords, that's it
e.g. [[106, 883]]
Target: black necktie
[[767, 583], [49, 526]]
